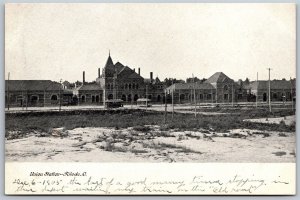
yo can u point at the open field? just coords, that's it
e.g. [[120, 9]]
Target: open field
[[125, 135]]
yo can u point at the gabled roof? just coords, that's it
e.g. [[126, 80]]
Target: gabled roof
[[134, 75], [186, 86], [119, 67], [32, 85], [87, 87], [156, 80], [218, 77], [275, 84]]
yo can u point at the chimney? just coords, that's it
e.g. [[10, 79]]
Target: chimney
[[139, 71], [83, 77], [134, 69], [98, 72], [151, 77]]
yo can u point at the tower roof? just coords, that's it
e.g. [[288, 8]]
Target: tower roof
[[109, 61], [217, 77]]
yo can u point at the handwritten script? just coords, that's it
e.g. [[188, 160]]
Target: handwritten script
[[81, 182]]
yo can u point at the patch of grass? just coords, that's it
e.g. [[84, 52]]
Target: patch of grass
[[282, 135], [140, 128], [279, 153], [24, 123], [162, 146]]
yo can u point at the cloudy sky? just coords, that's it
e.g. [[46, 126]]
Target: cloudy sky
[[59, 41]]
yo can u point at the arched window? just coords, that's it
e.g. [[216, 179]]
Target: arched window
[[225, 87], [133, 86], [123, 97], [137, 86], [158, 98], [135, 97], [110, 96], [54, 97], [83, 98], [126, 86], [129, 86]]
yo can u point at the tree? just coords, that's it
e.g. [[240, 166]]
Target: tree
[[191, 80], [247, 81], [169, 81]]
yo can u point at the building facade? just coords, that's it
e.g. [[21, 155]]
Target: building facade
[[218, 88], [24, 93]]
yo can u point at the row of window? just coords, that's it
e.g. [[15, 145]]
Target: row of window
[[124, 86], [31, 98]]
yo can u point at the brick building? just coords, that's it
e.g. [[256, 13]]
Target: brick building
[[23, 93], [218, 88]]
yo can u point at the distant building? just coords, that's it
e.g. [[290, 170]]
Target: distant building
[[119, 82], [280, 90], [218, 88], [23, 93]]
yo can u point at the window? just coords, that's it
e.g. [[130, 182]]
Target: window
[[226, 96], [54, 98], [83, 98], [225, 87]]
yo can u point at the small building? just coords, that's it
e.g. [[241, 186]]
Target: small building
[[281, 90], [88, 93], [218, 88], [23, 93]]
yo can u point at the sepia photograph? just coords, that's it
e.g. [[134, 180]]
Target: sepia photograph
[[150, 83]]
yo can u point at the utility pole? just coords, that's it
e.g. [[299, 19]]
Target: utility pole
[[165, 115], [216, 93], [60, 95], [292, 94], [256, 90], [44, 97], [172, 99], [195, 96], [232, 95], [146, 97], [270, 109], [8, 98]]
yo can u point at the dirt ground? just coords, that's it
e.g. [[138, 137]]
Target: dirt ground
[[150, 144]]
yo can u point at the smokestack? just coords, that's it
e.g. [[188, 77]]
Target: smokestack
[[151, 77], [139, 71], [83, 77], [98, 72]]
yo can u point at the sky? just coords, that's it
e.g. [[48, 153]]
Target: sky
[[59, 41]]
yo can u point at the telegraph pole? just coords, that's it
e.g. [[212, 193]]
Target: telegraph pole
[[146, 97], [165, 116], [195, 96], [292, 94], [256, 90], [172, 99], [60, 95], [232, 95], [270, 109], [8, 91]]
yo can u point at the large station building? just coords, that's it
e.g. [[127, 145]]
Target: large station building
[[118, 81]]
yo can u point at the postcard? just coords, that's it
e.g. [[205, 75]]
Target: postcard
[[150, 99]]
